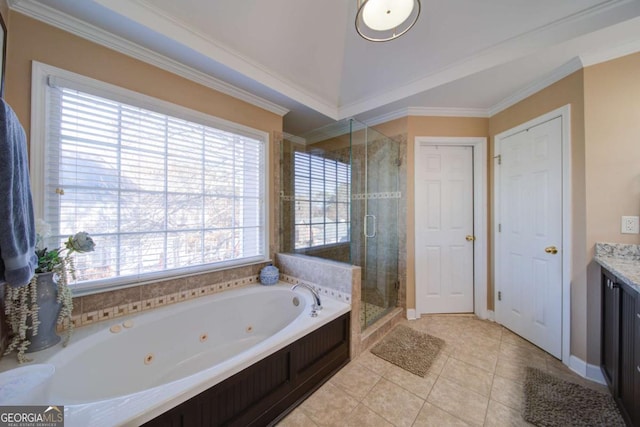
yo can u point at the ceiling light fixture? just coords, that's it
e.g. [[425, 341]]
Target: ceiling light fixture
[[384, 20]]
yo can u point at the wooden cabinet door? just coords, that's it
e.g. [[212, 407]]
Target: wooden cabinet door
[[636, 373], [627, 366], [609, 331]]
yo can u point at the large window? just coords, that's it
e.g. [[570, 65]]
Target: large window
[[160, 194], [322, 195]]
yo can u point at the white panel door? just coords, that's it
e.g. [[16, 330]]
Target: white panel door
[[529, 264], [444, 229]]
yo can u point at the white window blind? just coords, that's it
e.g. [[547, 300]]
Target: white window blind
[[322, 196], [160, 195]]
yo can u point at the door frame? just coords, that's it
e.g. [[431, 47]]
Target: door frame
[[479, 145], [566, 250]]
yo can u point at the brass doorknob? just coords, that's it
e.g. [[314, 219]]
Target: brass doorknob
[[470, 238], [551, 250]]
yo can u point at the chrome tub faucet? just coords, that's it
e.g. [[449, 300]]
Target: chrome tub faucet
[[317, 306]]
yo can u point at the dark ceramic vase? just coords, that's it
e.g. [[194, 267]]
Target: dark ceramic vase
[[48, 313]]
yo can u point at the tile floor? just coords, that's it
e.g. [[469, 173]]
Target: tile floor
[[371, 313], [475, 381]]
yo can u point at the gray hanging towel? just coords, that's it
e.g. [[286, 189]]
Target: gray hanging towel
[[18, 260]]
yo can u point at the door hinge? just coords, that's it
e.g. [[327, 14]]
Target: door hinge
[[499, 157], [499, 295], [499, 228]]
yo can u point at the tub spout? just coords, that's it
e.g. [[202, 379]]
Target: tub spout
[[318, 304]]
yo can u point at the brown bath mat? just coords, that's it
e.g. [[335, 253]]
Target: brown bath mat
[[411, 350], [549, 401]]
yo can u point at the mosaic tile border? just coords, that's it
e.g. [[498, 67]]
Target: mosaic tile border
[[107, 313], [358, 196], [323, 291], [85, 319], [384, 195]]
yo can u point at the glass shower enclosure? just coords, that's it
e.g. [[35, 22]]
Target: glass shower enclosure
[[340, 200]]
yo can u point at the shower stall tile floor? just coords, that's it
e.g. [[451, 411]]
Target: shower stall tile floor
[[476, 380], [369, 313]]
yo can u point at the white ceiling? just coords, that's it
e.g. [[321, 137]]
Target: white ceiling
[[462, 57]]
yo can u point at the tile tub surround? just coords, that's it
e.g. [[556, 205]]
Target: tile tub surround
[[324, 292], [330, 275], [89, 309], [326, 273], [98, 307], [102, 306], [622, 260]]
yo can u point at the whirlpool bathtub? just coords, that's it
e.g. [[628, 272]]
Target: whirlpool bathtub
[[129, 370]]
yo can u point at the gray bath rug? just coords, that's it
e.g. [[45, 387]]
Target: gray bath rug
[[549, 401], [409, 349]]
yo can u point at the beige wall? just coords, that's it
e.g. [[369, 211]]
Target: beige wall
[[412, 127], [430, 126], [612, 123], [612, 150], [566, 91], [33, 40], [4, 11]]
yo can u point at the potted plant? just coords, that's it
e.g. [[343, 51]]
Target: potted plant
[[34, 311]]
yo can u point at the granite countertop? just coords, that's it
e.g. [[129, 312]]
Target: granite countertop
[[622, 260]]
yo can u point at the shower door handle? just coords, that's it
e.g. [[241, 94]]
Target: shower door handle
[[366, 228]]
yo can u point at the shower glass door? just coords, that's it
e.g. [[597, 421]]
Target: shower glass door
[[374, 208]]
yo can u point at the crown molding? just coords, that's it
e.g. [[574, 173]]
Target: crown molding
[[536, 86], [449, 112], [293, 138], [625, 49], [99, 36], [427, 112], [387, 117], [147, 14], [556, 75], [335, 130]]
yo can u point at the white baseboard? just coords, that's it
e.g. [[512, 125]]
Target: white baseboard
[[578, 366], [491, 315], [586, 370], [411, 314], [594, 373]]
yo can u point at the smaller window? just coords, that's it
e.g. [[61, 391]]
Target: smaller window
[[322, 201]]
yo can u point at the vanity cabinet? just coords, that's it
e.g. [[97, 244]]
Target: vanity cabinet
[[636, 373], [610, 326], [620, 344]]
